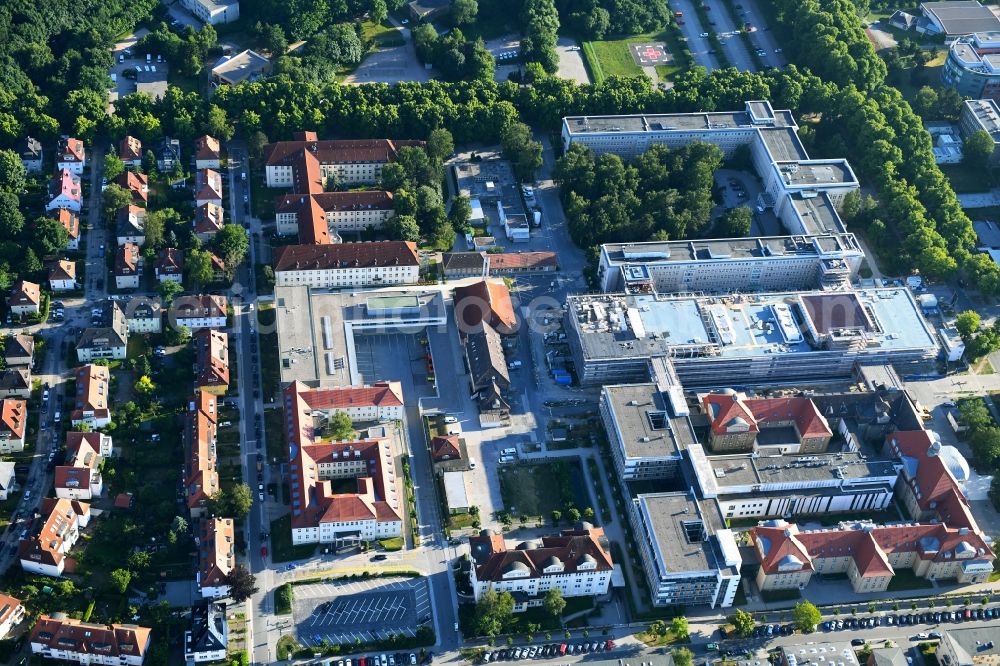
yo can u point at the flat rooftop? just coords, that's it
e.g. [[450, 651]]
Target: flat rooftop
[[817, 172], [745, 469], [648, 427], [987, 115], [681, 122], [764, 247], [817, 213], [680, 527], [783, 144], [616, 325], [316, 327]]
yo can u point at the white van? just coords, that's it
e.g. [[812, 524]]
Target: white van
[[510, 451], [503, 460]]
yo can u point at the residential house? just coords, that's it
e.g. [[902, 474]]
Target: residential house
[[44, 551], [321, 515], [19, 350], [30, 150], [13, 423], [25, 298], [577, 562], [208, 220], [79, 477], [128, 266], [67, 639], [62, 275], [65, 192], [200, 311], [381, 402], [130, 224], [379, 263], [7, 479], [15, 383], [208, 638], [216, 556], [464, 264], [169, 265], [207, 152], [107, 341], [70, 156], [211, 361], [445, 447], [244, 66], [130, 152], [11, 614], [218, 267], [137, 184], [306, 163], [168, 153], [142, 315], [71, 223], [93, 384], [208, 187], [201, 481]]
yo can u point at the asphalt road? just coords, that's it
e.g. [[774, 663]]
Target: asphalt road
[[692, 29], [731, 42]]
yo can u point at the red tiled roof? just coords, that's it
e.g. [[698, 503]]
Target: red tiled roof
[[871, 559], [202, 478], [356, 151], [216, 554], [208, 218], [70, 222], [212, 357], [74, 636], [130, 149], [383, 394], [25, 293], [724, 409], [124, 501], [66, 184], [777, 546], [170, 261], [208, 184], [206, 148], [487, 299], [346, 255], [570, 549], [70, 150], [201, 305], [62, 269], [136, 183], [127, 259], [13, 417], [93, 383], [313, 227], [445, 448], [336, 201], [521, 260]]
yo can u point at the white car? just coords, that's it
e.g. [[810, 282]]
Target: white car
[[704, 34], [450, 419]]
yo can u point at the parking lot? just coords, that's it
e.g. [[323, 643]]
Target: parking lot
[[390, 65], [344, 612]]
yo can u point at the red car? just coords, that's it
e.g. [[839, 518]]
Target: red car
[[263, 551]]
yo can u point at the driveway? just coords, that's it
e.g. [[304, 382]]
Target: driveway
[[391, 64], [880, 38]]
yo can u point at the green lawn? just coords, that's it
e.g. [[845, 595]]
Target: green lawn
[[905, 579], [383, 34], [611, 57]]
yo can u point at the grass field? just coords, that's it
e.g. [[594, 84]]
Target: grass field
[[540, 488], [611, 57], [383, 34]]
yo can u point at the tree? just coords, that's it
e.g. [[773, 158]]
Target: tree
[[180, 335], [256, 143], [120, 579], [806, 616], [217, 123], [12, 172], [985, 445], [341, 426], [442, 234], [735, 222], [272, 37], [145, 385], [679, 627], [556, 516], [521, 149], [198, 265], [554, 603], [743, 622], [464, 12], [440, 143], [460, 213], [232, 243], [113, 167], [494, 612], [968, 324], [157, 222], [977, 148], [138, 560], [179, 525], [168, 289], [242, 584], [240, 500], [113, 199], [683, 657], [49, 236], [402, 227], [11, 219]]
